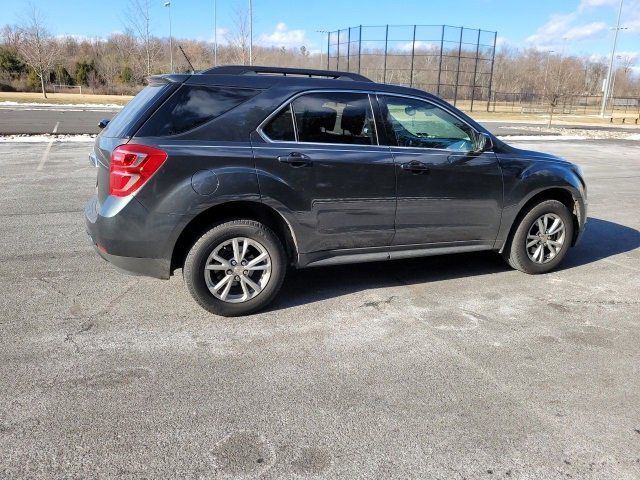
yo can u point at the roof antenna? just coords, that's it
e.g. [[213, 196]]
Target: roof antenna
[[193, 70]]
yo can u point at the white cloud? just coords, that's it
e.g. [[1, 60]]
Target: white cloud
[[633, 25], [420, 45], [283, 37], [630, 11], [554, 29], [598, 58], [597, 3], [632, 57], [589, 30], [503, 42], [223, 36], [561, 27]]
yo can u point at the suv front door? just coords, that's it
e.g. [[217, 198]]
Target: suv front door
[[446, 193], [320, 164]]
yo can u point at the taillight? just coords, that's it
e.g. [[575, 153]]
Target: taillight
[[131, 166]]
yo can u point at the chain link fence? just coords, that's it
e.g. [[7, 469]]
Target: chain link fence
[[536, 103], [455, 63]]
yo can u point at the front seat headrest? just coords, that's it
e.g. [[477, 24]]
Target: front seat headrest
[[353, 119]]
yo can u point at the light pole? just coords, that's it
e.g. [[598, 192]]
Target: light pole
[[168, 5], [321, 45], [250, 32], [605, 96], [215, 33]]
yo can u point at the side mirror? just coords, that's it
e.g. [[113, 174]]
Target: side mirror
[[483, 142], [103, 123]]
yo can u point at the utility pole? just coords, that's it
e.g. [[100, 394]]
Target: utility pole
[[605, 96], [168, 4], [250, 32], [215, 33]]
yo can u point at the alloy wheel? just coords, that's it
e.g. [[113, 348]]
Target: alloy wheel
[[237, 270], [545, 238]]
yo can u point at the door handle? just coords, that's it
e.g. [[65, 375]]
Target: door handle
[[296, 159], [415, 167]]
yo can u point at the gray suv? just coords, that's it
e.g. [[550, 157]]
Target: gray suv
[[236, 173]]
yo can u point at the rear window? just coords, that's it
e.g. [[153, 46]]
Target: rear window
[[122, 122], [191, 106]]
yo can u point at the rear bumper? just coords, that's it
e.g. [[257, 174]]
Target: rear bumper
[[127, 237], [148, 267]]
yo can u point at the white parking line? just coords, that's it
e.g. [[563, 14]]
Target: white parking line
[[45, 155]]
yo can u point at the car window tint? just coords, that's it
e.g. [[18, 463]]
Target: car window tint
[[191, 106], [281, 126], [415, 123], [335, 118]]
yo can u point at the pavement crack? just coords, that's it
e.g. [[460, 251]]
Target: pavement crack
[[378, 303], [70, 338]]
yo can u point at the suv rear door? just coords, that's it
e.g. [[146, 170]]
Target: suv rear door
[[446, 193], [319, 163]]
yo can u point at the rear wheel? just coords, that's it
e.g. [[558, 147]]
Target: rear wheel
[[541, 239], [235, 268]]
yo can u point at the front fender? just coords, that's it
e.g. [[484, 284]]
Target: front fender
[[524, 180]]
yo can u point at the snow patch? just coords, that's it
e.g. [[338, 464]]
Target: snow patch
[[36, 105], [47, 138], [542, 137]]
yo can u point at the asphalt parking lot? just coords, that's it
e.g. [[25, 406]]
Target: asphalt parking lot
[[445, 367]]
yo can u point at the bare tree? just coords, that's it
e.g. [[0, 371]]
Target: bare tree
[[239, 38], [37, 46], [139, 20], [564, 80], [10, 36]]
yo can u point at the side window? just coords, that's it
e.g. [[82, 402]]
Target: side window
[[335, 118], [415, 123], [191, 106], [281, 126]]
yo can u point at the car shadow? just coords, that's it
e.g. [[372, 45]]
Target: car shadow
[[600, 240]]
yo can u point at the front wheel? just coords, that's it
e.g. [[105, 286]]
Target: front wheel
[[235, 268], [541, 239]]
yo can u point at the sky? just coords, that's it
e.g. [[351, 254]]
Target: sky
[[564, 26]]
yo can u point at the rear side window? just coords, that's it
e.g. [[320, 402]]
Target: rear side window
[[130, 114], [281, 127], [335, 117], [191, 106]]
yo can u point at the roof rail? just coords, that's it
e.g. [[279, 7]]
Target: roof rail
[[297, 72]]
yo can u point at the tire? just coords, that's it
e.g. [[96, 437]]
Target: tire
[[219, 241], [520, 257]]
